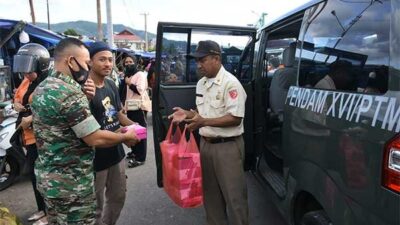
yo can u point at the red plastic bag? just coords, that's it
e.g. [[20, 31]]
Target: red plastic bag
[[168, 148], [182, 170]]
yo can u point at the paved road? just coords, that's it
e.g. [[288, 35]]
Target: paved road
[[146, 204]]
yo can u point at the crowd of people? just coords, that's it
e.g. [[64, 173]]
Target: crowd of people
[[70, 119], [71, 116], [173, 69]]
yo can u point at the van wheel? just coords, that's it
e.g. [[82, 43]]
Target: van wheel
[[9, 172], [315, 218]]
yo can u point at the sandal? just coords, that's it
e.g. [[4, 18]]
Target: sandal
[[36, 216], [133, 163], [130, 155], [42, 221]]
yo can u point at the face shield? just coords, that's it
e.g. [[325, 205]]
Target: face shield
[[24, 64]]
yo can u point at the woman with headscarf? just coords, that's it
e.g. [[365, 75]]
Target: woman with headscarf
[[136, 104]]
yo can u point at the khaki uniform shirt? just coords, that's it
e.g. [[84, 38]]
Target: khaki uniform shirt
[[218, 97]]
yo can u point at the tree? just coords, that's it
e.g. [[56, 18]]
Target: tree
[[71, 32], [172, 49]]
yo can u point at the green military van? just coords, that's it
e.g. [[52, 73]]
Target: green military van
[[323, 108]]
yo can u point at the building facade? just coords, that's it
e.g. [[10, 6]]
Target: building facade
[[127, 39]]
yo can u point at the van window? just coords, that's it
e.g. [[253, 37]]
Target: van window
[[346, 47], [256, 60], [395, 46], [177, 69], [232, 44], [274, 55], [173, 60]]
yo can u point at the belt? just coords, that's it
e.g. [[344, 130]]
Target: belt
[[217, 140]]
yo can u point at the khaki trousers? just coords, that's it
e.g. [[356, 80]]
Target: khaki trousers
[[224, 183], [110, 186]]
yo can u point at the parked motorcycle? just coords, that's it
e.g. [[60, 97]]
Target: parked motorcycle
[[12, 158]]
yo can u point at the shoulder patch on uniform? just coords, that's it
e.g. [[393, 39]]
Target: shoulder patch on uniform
[[233, 94]]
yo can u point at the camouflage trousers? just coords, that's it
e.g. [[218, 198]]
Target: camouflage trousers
[[71, 211]]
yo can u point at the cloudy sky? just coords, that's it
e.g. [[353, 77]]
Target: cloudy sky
[[128, 12]]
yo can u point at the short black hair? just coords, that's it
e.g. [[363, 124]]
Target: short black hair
[[275, 62], [98, 46], [65, 44]]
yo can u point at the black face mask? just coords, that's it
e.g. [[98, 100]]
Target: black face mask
[[130, 70], [81, 75]]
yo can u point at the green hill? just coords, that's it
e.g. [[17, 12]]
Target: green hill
[[90, 28]]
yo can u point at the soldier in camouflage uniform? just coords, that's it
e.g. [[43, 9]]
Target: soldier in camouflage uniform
[[66, 131]]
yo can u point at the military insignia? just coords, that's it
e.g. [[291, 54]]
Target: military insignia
[[233, 94]]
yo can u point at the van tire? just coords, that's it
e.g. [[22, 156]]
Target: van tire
[[315, 218]]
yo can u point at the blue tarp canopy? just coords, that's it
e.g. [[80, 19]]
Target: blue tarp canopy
[[48, 38], [125, 50], [132, 52], [147, 54]]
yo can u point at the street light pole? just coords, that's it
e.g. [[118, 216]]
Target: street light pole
[[32, 12], [261, 18], [110, 36], [263, 15], [145, 31], [48, 15], [99, 25]]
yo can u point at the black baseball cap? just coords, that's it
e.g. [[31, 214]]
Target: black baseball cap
[[205, 48], [98, 46]]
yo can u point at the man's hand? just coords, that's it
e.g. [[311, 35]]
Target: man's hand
[[196, 122], [26, 122], [19, 107], [130, 139], [89, 89], [178, 116]]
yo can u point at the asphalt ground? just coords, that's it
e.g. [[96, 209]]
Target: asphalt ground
[[146, 204]]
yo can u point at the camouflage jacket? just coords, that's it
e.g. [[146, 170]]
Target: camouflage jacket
[[61, 116]]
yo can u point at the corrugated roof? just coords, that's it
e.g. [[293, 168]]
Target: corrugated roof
[[127, 37]]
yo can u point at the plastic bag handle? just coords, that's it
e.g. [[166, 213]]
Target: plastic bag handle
[[168, 137], [169, 133], [189, 144], [183, 139]]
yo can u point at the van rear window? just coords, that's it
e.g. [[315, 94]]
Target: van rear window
[[346, 47]]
